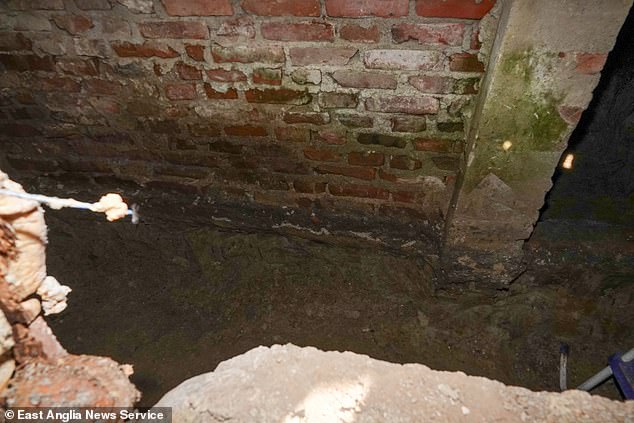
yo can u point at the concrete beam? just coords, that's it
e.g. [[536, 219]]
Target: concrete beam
[[544, 65]]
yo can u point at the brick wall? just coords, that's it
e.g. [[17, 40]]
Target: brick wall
[[338, 103]]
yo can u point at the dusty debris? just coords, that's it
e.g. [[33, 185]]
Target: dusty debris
[[293, 384]]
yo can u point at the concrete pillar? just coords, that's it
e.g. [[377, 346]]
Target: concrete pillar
[[545, 63]]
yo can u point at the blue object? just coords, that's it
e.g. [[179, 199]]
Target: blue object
[[623, 372]]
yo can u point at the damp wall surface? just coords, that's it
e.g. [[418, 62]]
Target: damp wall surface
[[353, 105]]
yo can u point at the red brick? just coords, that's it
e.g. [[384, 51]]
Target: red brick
[[147, 49], [302, 56], [381, 139], [188, 72], [241, 26], [408, 124], [14, 41], [475, 43], [450, 34], [367, 173], [174, 29], [73, 24], [405, 196], [405, 163], [267, 76], [180, 91], [18, 130], [320, 155], [366, 159], [352, 120], [246, 131], [466, 62], [590, 63], [433, 84], [292, 134], [365, 79], [246, 54], [196, 52], [462, 9], [314, 118], [302, 31], [408, 105], [361, 191], [307, 187], [105, 105], [207, 130], [404, 59], [56, 84], [282, 7], [358, 33], [198, 7], [329, 137], [278, 96], [332, 100], [230, 94], [27, 62], [570, 114], [360, 8], [222, 75], [430, 144]]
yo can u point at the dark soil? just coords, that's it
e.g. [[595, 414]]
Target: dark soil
[[175, 300]]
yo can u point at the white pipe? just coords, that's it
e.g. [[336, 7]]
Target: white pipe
[[600, 377]]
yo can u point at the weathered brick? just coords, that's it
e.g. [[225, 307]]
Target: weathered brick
[[180, 91], [450, 126], [246, 54], [56, 84], [303, 56], [278, 96], [192, 172], [381, 139], [73, 24], [367, 173], [14, 41], [465, 62], [201, 129], [267, 76], [431, 144], [406, 196], [408, 124], [292, 134], [332, 100], [188, 72], [449, 34], [352, 120], [400, 104], [462, 9], [223, 75], [355, 190], [79, 67], [404, 59], [195, 52], [448, 163], [198, 7], [282, 7], [361, 8], [405, 163], [433, 84], [93, 4], [359, 33], [246, 131], [315, 118], [364, 79], [590, 63], [229, 94], [27, 62], [87, 47], [174, 29], [241, 26], [321, 155], [302, 31], [475, 43], [309, 187], [18, 130], [366, 158], [104, 105], [147, 49], [223, 146], [306, 76], [329, 137]]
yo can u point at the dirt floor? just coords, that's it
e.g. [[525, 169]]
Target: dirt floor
[[175, 301]]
